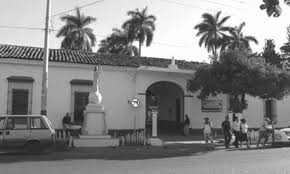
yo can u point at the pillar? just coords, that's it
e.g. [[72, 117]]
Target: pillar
[[154, 123]]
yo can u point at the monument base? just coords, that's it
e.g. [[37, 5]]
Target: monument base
[[154, 141], [96, 141]]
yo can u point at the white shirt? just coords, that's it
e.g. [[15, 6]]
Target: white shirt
[[236, 126], [207, 128], [244, 128]]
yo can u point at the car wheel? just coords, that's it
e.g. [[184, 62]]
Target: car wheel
[[33, 146]]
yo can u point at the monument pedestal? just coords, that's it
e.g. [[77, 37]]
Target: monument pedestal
[[95, 130]]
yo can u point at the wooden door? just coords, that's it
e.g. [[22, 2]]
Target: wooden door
[[20, 101]]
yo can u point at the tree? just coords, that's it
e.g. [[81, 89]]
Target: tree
[[118, 43], [272, 7], [238, 75], [237, 40], [76, 35], [211, 31], [270, 54], [140, 27], [285, 49]]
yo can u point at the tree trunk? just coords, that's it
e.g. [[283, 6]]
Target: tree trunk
[[139, 48]]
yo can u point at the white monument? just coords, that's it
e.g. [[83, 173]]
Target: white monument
[[94, 129]]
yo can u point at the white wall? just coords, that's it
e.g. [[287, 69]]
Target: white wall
[[7, 70], [254, 114], [117, 85], [283, 112]]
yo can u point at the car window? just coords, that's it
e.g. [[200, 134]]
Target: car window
[[17, 123], [2, 120], [37, 123]]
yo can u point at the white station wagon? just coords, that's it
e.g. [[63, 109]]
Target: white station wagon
[[33, 132]]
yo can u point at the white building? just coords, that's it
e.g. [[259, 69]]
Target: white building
[[123, 78]]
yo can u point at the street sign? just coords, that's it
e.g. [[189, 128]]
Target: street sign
[[135, 102]]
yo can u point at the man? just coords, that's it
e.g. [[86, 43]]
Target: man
[[66, 121], [236, 130], [264, 132], [186, 125], [226, 126]]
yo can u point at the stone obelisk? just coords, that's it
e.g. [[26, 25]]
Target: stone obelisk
[[94, 115], [94, 130]]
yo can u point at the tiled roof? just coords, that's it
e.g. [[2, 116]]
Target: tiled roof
[[82, 57]]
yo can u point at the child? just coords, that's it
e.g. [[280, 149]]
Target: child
[[244, 132], [207, 131]]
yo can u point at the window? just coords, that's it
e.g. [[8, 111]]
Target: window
[[19, 98], [37, 123], [80, 90], [2, 121], [17, 123]]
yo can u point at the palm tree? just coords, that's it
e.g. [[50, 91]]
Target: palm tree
[[76, 35], [118, 43], [212, 31], [140, 27], [237, 40]]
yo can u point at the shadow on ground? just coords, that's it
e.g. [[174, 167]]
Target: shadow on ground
[[120, 153]]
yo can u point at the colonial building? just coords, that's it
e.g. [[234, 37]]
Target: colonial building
[[152, 81]]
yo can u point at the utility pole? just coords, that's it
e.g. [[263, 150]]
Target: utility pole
[[45, 61]]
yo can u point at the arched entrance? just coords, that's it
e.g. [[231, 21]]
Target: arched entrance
[[168, 97]]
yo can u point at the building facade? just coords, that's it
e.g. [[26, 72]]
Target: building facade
[[152, 81]]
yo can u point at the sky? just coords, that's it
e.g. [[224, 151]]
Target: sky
[[174, 35]]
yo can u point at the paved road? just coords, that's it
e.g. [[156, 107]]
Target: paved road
[[150, 161]]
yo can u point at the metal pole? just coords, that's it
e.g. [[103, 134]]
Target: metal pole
[[45, 62]]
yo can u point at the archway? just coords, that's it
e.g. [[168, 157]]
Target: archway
[[168, 97]]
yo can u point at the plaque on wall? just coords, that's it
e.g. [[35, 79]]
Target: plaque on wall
[[211, 105]]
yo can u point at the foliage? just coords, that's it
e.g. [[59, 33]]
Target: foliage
[[211, 31], [272, 7], [238, 75], [140, 27], [118, 43], [285, 49], [76, 35], [237, 40], [270, 54]]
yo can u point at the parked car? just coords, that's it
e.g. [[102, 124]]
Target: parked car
[[287, 132], [33, 132]]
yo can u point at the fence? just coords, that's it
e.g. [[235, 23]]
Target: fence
[[126, 139]]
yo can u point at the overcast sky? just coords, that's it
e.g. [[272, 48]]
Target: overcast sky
[[174, 35]]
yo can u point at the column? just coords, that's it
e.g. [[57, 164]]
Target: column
[[154, 123]]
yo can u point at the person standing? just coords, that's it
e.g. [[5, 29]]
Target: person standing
[[227, 131], [207, 132], [236, 130], [186, 126], [264, 132], [244, 132]]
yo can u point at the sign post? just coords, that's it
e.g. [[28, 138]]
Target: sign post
[[135, 103]]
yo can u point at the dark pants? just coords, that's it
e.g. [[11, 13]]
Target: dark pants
[[237, 135], [227, 136]]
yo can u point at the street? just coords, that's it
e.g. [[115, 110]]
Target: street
[[151, 160]]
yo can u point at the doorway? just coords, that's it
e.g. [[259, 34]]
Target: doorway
[[168, 97]]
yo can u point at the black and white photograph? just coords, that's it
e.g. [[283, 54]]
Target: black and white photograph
[[144, 87]]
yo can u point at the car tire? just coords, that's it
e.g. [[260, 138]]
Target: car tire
[[33, 146]]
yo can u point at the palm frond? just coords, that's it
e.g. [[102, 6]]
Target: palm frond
[[220, 23]]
